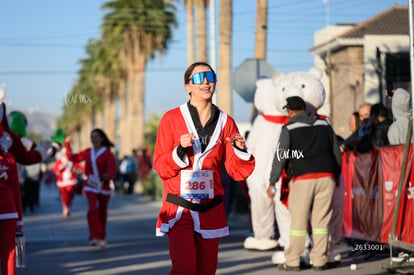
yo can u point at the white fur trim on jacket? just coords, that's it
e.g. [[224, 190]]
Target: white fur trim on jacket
[[181, 163], [242, 155]]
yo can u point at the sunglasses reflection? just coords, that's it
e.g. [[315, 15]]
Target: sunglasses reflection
[[198, 78]]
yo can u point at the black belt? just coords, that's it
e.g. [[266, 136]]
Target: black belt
[[194, 206]]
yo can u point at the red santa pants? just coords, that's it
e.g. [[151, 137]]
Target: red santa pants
[[190, 253], [67, 193], [7, 246], [97, 215]]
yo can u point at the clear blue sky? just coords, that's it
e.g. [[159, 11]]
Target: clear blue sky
[[41, 43]]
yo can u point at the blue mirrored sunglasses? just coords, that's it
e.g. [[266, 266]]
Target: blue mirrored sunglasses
[[198, 78]]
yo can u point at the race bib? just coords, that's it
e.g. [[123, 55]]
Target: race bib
[[95, 182], [197, 185]]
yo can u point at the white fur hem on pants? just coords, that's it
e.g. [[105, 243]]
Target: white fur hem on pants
[[206, 234]]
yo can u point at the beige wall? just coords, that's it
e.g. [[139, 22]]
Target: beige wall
[[320, 37], [347, 85]]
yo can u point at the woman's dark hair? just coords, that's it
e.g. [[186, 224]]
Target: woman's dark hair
[[190, 70], [105, 142]]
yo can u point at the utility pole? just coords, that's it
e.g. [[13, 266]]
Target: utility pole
[[328, 64], [261, 38], [261, 29], [212, 34], [379, 73], [213, 40]]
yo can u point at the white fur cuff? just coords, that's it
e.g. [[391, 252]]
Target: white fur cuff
[[242, 155], [181, 163]]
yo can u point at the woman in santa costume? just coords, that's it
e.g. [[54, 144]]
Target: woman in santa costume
[[66, 172], [100, 168], [11, 214], [192, 141]]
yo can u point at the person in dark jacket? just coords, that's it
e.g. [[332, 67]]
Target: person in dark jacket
[[309, 151], [379, 133]]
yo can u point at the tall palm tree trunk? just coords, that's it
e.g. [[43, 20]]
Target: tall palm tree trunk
[[128, 120], [76, 138], [137, 99], [109, 113], [225, 41], [85, 132], [99, 119], [190, 31], [201, 30], [123, 121], [125, 102]]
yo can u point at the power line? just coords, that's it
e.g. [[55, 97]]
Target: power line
[[34, 72], [41, 45]]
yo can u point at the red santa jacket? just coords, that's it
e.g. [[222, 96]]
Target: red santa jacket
[[12, 143], [239, 165], [65, 171], [105, 163], [10, 199]]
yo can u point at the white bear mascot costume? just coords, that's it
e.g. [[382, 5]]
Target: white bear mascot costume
[[262, 141], [308, 86]]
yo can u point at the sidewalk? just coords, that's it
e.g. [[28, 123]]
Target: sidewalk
[[58, 245]]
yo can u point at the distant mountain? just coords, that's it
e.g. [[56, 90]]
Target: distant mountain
[[41, 123]]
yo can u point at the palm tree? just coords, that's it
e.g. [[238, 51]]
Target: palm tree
[[77, 117], [189, 5], [225, 41], [261, 29], [107, 71], [201, 29], [90, 80], [104, 68], [145, 28], [99, 78]]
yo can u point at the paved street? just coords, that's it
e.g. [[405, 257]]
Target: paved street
[[58, 245]]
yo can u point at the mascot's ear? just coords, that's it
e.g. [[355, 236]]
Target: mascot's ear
[[277, 76], [316, 72]]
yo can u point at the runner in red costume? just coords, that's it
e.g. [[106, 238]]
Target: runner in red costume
[[100, 168], [192, 141], [11, 214], [66, 172]]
